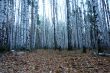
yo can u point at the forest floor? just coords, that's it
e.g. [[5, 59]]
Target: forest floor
[[51, 61]]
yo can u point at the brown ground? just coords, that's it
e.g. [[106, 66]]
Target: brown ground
[[48, 61]]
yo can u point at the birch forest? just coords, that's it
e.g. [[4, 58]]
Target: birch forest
[[54, 36], [55, 24]]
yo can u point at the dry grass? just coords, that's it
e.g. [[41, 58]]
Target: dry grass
[[49, 61]]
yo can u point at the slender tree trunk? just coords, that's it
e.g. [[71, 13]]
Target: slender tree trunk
[[69, 25]]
